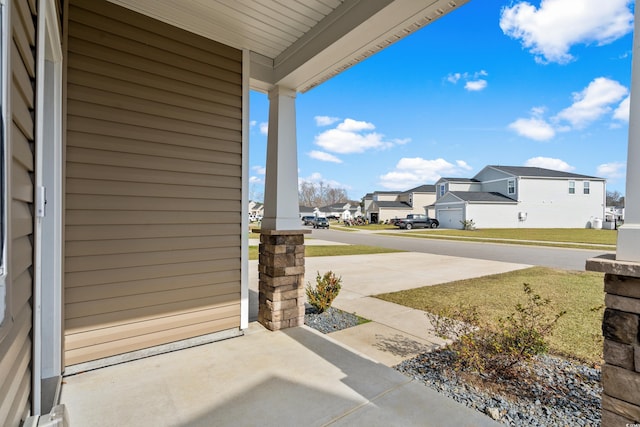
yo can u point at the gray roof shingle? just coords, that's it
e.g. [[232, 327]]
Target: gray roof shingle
[[427, 188], [392, 204], [540, 172], [482, 196]]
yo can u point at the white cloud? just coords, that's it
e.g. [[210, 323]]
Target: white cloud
[[264, 128], [473, 81], [260, 170], [402, 141], [454, 77], [414, 171], [612, 171], [622, 111], [463, 165], [549, 163], [316, 177], [533, 128], [351, 136], [350, 125], [325, 157], [475, 85], [325, 120], [550, 31], [593, 102], [255, 180], [252, 123]]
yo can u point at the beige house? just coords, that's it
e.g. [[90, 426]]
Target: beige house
[[383, 206], [256, 209], [125, 171]]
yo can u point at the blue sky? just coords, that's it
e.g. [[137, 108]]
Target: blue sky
[[539, 83]]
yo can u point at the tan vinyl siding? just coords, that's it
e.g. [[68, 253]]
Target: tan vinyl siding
[[153, 184], [15, 346]]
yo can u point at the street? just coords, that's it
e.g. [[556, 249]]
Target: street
[[563, 258]]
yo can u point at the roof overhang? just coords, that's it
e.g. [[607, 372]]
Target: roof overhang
[[300, 44]]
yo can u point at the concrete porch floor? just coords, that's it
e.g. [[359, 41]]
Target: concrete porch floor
[[295, 377]]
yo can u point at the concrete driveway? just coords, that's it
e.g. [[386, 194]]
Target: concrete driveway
[[395, 332]]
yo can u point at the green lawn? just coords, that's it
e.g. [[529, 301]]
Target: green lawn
[[373, 227], [564, 237], [578, 333], [576, 235], [333, 250]]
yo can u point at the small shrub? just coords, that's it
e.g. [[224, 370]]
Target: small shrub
[[454, 323], [498, 351], [468, 224], [321, 295], [523, 333]]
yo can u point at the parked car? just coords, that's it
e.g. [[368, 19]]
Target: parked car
[[308, 219], [321, 223], [417, 221]]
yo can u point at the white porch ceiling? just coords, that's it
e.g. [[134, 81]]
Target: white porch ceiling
[[298, 43]]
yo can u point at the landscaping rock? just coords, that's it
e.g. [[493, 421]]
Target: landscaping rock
[[494, 413], [331, 320], [558, 393]]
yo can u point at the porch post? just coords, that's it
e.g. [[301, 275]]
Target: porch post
[[621, 321], [628, 247], [281, 264], [281, 210]]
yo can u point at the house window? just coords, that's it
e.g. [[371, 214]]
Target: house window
[[511, 187], [441, 189], [572, 187], [586, 187]]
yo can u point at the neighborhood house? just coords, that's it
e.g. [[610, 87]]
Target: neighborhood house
[[381, 206], [520, 196], [338, 211]]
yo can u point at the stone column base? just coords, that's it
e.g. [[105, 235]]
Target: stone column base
[[281, 291], [620, 327]]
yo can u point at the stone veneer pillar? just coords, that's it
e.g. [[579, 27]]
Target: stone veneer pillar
[[621, 370], [281, 279]]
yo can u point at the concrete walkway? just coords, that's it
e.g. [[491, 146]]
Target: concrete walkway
[[295, 377], [395, 332]]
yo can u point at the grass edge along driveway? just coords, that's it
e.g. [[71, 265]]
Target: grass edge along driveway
[[333, 250], [577, 238], [577, 334]]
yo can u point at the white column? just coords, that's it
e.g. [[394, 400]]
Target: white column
[[628, 247], [281, 211]]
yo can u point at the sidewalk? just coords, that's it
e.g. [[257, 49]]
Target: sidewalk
[[395, 332]]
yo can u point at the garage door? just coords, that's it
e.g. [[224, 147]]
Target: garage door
[[450, 218], [153, 184]]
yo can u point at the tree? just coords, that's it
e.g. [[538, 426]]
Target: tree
[[614, 198], [255, 192], [320, 194]]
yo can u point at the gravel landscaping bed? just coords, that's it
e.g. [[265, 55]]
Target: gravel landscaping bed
[[557, 392], [560, 393], [330, 321]]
